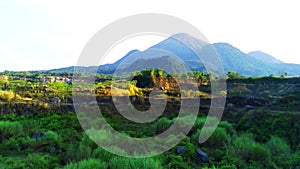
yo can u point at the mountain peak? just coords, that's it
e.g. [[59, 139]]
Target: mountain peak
[[181, 35], [189, 49], [126, 56], [264, 57]]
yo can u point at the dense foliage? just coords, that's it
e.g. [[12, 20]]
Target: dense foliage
[[248, 144], [260, 127]]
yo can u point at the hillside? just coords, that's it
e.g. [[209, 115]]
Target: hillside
[[264, 57], [39, 127]]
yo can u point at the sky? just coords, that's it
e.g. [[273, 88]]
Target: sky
[[42, 35]]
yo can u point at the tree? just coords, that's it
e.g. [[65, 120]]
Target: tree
[[61, 90], [201, 77], [233, 75], [133, 90], [160, 72], [6, 73]]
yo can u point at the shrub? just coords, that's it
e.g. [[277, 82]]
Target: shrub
[[210, 121], [29, 126], [199, 123], [280, 151], [176, 161], [184, 121], [247, 150], [163, 124], [295, 160], [102, 154], [41, 161], [135, 163], [7, 96], [228, 166], [52, 136], [10, 145], [9, 117], [9, 129], [278, 146], [189, 153], [87, 164], [219, 137], [10, 163], [85, 148], [228, 127], [34, 161]]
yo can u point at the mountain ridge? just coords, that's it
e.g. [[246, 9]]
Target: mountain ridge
[[254, 63], [264, 57]]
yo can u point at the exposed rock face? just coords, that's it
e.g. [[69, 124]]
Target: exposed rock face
[[166, 83]]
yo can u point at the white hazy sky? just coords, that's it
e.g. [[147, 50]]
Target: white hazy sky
[[39, 35]]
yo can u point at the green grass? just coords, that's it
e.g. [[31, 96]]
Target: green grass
[[231, 145]]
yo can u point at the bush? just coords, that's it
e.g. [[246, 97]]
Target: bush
[[228, 127], [7, 96], [228, 166], [10, 145], [41, 161], [264, 123], [50, 135], [176, 161], [211, 121], [135, 163], [29, 126], [278, 146], [11, 163], [87, 164], [184, 122], [280, 151], [199, 123], [219, 138], [100, 153], [247, 150], [34, 161], [9, 129], [85, 148], [163, 124], [189, 153]]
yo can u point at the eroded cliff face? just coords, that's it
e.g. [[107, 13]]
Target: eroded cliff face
[[242, 95], [165, 83]]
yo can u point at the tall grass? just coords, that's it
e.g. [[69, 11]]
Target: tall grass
[[218, 139], [9, 129], [135, 163], [162, 124], [87, 164], [247, 150], [280, 151]]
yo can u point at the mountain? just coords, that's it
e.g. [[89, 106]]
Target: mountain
[[127, 56], [189, 49], [235, 60], [167, 63], [264, 57]]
